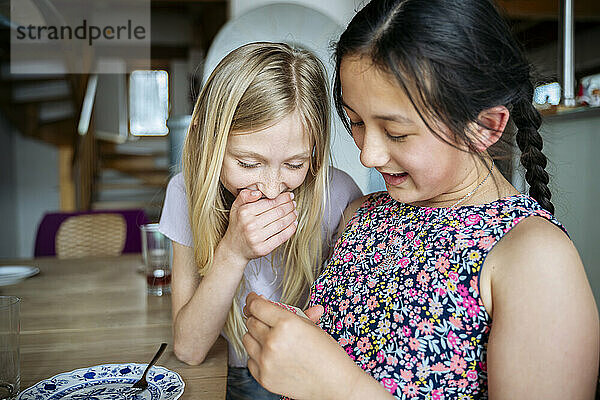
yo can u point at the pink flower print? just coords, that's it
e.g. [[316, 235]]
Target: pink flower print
[[425, 327], [406, 375], [439, 367], [491, 212], [372, 303], [412, 292], [418, 242], [442, 264], [403, 262], [359, 247], [396, 316], [338, 325], [343, 341], [483, 366], [348, 257], [348, 292], [410, 390], [471, 305], [462, 383], [410, 234], [363, 344], [381, 246], [414, 344], [406, 331], [473, 284], [371, 364], [485, 242], [377, 257], [462, 290], [437, 394], [452, 339], [344, 305], [392, 360], [453, 276], [440, 291], [390, 384], [471, 375], [380, 356], [319, 287], [458, 364], [457, 323], [371, 283], [423, 278], [479, 233], [472, 219], [349, 320], [356, 299]]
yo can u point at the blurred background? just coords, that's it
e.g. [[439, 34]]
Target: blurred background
[[75, 143]]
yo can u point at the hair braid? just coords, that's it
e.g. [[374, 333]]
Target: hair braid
[[528, 121]]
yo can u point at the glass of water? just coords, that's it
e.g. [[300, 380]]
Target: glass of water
[[10, 376], [156, 252]]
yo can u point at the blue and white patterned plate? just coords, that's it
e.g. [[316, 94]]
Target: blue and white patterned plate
[[107, 382]]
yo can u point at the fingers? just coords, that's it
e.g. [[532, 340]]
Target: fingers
[[254, 369], [314, 313], [279, 212], [257, 329], [278, 225], [278, 239], [246, 196], [259, 207], [263, 310], [252, 346]]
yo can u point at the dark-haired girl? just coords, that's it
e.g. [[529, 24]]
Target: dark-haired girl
[[451, 284]]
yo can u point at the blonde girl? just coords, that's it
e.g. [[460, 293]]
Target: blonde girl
[[257, 204]]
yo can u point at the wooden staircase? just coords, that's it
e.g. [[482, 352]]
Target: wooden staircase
[[133, 175]]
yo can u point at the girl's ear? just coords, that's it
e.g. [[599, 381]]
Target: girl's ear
[[493, 121]]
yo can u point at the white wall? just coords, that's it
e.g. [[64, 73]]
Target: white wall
[[572, 147], [8, 204], [36, 168], [29, 188]]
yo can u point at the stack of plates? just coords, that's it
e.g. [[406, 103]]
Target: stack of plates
[[11, 274]]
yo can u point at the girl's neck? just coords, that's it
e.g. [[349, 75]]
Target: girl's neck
[[479, 187]]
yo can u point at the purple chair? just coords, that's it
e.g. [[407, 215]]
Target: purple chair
[[90, 228]]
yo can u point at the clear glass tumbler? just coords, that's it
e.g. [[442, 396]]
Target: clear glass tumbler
[[156, 253], [10, 376]]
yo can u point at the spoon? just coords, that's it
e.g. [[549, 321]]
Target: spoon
[[142, 384]]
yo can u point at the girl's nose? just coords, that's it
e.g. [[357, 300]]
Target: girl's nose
[[271, 186], [374, 152]]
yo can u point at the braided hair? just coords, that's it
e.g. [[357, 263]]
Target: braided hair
[[528, 121], [453, 59]]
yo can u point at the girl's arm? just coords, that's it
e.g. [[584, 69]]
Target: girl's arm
[[544, 338], [290, 355], [200, 306]]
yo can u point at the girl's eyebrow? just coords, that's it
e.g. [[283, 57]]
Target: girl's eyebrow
[[386, 117], [243, 153]]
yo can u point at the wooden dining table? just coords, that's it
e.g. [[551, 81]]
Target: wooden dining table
[[82, 312]]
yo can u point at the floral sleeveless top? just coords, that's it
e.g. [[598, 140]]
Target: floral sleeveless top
[[401, 292]]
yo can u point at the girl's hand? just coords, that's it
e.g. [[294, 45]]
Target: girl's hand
[[292, 356], [258, 226]]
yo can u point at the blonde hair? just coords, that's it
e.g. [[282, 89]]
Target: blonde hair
[[252, 88]]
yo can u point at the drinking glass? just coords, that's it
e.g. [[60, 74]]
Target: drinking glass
[[156, 253], [10, 377]]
